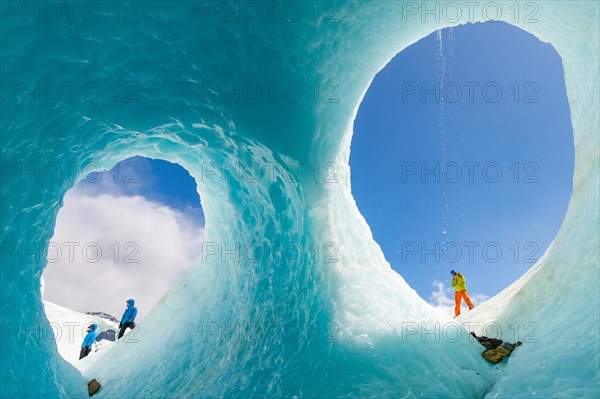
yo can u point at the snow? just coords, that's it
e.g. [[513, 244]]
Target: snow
[[69, 329], [308, 328]]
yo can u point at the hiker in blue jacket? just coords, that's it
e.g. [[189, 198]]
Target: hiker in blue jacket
[[128, 318], [90, 338]]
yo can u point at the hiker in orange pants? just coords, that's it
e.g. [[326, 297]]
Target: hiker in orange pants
[[459, 284]]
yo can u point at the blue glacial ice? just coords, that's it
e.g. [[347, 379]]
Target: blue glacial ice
[[333, 329]]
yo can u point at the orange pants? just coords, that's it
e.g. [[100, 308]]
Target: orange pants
[[457, 298]]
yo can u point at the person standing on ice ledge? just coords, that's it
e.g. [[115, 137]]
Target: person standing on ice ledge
[[128, 318], [90, 338], [459, 284]]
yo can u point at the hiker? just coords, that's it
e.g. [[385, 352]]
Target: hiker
[[128, 318], [90, 338], [459, 284]]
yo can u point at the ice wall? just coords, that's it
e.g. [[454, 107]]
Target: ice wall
[[347, 315]]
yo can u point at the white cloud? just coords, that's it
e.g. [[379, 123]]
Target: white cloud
[[125, 229], [443, 298]]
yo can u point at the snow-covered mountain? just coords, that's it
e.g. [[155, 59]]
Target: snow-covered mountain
[[104, 316]]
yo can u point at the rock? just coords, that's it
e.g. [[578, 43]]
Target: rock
[[496, 349], [109, 335], [491, 343], [496, 355], [93, 387]]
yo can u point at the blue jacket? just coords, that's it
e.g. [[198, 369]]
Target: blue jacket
[[130, 312], [90, 337]]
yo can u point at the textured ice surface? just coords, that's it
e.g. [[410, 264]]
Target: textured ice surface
[[167, 51]]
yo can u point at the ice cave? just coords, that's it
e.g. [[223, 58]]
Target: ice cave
[[212, 84]]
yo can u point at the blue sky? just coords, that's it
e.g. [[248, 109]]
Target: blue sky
[[144, 224], [155, 179], [515, 121]]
